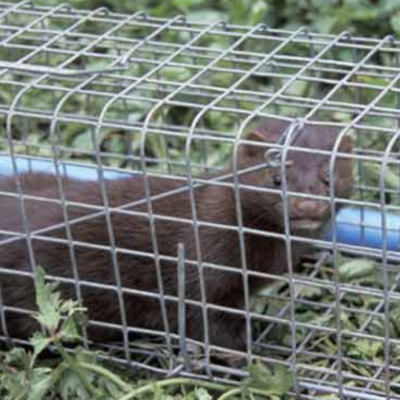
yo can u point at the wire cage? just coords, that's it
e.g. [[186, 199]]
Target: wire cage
[[101, 97]]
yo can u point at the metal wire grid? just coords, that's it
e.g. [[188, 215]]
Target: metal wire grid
[[126, 64]]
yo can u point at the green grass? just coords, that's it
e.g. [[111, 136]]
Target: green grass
[[29, 374], [25, 375]]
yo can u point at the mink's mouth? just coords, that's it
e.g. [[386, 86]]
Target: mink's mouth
[[305, 224]]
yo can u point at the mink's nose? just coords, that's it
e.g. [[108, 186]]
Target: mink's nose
[[313, 209]]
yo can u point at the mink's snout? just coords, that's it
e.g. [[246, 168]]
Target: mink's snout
[[309, 209]]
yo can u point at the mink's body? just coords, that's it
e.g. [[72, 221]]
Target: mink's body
[[214, 204]]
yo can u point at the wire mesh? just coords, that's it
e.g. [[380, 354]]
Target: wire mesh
[[167, 104]]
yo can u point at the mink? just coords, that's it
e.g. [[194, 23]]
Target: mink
[[173, 223]]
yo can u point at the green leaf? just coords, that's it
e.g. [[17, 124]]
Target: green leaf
[[111, 389], [372, 173], [70, 387], [47, 301], [18, 357], [83, 140], [278, 382], [71, 330], [365, 349], [311, 292], [356, 269], [12, 383], [39, 342], [41, 384], [202, 394]]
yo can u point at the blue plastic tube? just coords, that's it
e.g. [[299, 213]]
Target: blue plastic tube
[[66, 169], [363, 227]]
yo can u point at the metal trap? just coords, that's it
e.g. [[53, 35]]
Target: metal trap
[[97, 96]]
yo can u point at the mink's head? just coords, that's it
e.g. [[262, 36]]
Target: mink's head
[[307, 175]]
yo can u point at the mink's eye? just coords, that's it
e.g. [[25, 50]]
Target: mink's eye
[[277, 180], [326, 178]]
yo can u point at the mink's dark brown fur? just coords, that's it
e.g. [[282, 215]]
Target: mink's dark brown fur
[[219, 245]]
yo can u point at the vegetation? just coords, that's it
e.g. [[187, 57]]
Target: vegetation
[[24, 375], [360, 17], [27, 374]]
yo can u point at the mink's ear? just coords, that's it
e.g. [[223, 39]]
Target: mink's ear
[[259, 134], [253, 136]]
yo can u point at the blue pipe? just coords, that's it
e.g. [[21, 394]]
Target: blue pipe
[[363, 227], [67, 169]]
